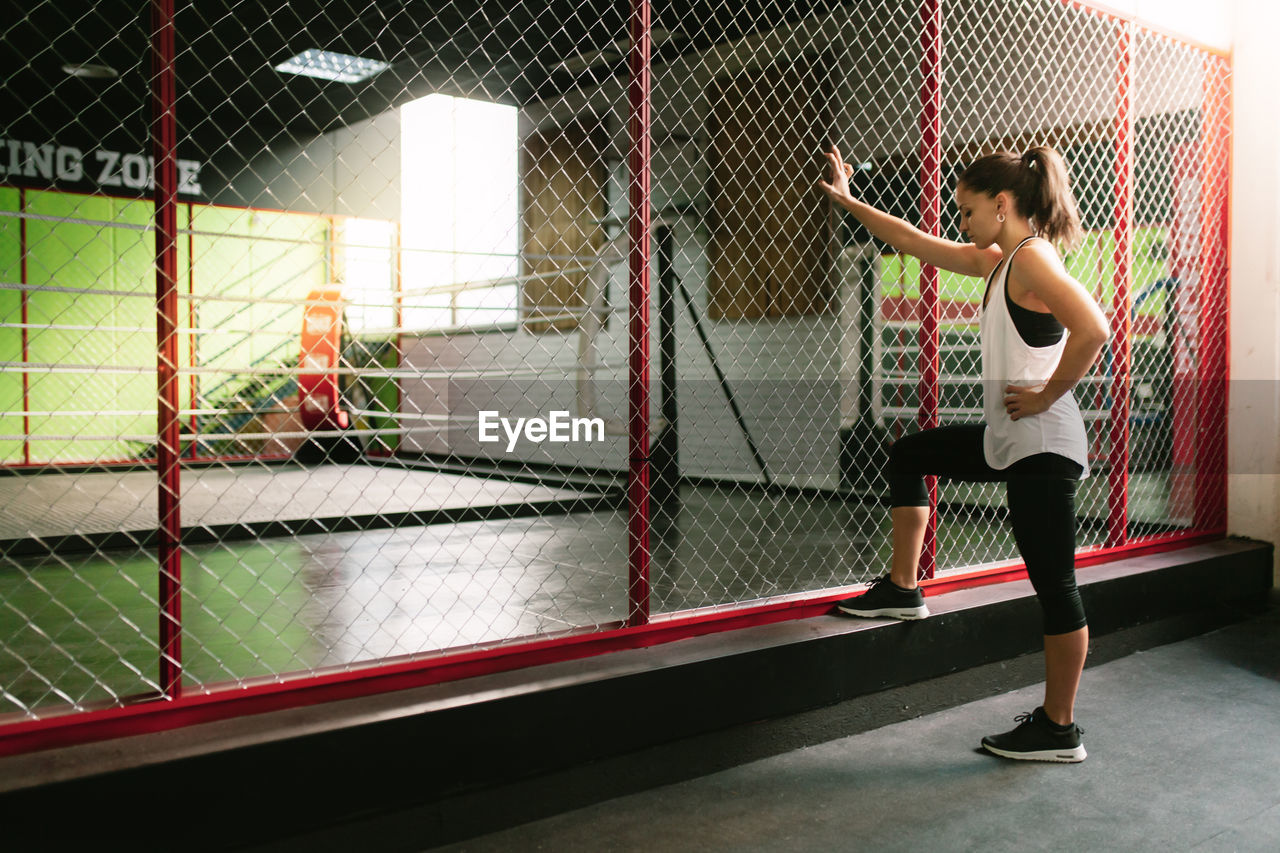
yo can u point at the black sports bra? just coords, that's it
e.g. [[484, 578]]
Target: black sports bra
[[1036, 328]]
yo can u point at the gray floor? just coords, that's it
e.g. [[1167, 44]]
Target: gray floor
[[1184, 754]]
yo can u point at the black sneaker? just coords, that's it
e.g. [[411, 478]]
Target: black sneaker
[[886, 598], [1037, 739]]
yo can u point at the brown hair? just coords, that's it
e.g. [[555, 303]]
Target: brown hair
[[1040, 187]]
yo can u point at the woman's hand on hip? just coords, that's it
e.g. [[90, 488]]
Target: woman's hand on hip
[[1022, 402]]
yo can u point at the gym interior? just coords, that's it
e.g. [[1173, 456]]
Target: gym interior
[[486, 392]]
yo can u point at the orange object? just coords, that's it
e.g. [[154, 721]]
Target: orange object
[[321, 349]]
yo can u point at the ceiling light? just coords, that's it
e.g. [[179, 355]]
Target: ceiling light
[[327, 65], [89, 71]]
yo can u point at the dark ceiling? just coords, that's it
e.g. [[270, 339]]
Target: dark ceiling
[[232, 102]]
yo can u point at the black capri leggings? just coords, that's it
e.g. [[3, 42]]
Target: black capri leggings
[[1042, 507]]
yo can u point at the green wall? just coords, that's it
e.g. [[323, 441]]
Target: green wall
[[266, 258], [97, 243]]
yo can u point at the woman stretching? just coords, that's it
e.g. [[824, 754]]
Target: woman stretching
[[1041, 332]]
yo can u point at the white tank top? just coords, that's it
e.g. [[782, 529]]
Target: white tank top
[[1008, 360]]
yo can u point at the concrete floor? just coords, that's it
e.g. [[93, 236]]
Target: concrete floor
[[1184, 754]]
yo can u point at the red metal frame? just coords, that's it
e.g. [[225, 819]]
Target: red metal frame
[[930, 223], [1228, 166], [1103, 10], [1121, 321], [164, 144], [1211, 440], [638, 396]]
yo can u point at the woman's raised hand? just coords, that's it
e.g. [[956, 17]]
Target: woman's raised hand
[[838, 189]]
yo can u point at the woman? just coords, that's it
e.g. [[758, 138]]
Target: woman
[[1041, 332]]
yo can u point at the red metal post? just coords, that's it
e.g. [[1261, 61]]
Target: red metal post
[[1211, 438], [930, 223], [26, 333], [164, 143], [1122, 300], [638, 396]]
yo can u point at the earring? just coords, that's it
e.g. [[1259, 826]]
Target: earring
[[999, 217]]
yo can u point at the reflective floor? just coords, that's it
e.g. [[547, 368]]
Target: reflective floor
[[82, 628]]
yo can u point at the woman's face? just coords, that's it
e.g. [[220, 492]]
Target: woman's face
[[978, 213]]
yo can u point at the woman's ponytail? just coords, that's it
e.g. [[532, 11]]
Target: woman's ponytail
[[1040, 187], [1046, 197]]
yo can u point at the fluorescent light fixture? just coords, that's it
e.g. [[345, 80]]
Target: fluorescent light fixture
[[90, 71], [327, 65]]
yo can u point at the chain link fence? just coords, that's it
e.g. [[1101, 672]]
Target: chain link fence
[[404, 331]]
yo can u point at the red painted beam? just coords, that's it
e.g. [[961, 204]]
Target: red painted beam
[[930, 223], [1121, 321], [638, 363], [164, 145], [1211, 434]]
